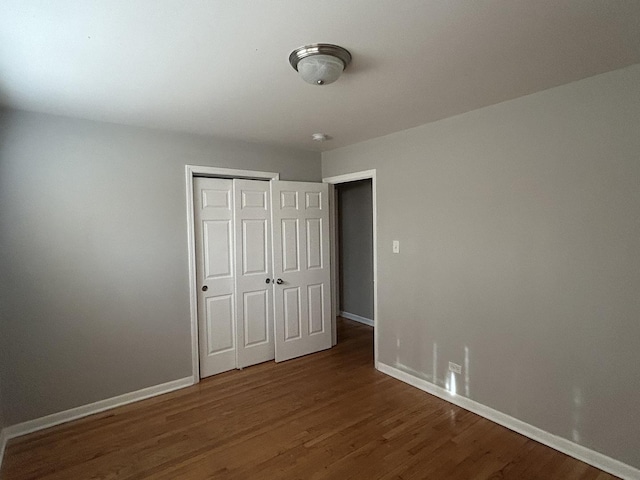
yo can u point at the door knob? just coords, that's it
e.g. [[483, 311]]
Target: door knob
[[268, 280], [205, 288], [279, 281]]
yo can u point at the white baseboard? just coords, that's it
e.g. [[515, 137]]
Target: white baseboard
[[603, 462], [85, 410], [357, 318]]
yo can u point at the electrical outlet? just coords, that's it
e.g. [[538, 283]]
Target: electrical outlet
[[396, 246], [455, 368]]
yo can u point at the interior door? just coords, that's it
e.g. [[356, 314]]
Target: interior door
[[213, 219], [254, 290], [300, 220]]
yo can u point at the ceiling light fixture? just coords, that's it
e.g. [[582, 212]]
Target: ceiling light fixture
[[320, 63], [320, 137]]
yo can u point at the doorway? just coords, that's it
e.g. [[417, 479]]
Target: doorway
[[354, 251]]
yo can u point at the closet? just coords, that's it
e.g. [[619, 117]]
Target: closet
[[262, 272]]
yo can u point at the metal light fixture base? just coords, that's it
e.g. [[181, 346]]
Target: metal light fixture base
[[319, 49]]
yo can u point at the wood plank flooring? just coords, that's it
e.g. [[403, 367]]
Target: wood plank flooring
[[325, 416]]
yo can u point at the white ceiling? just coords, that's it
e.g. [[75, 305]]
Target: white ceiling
[[219, 67]]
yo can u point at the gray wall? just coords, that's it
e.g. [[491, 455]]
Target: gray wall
[[356, 248], [520, 256], [93, 234]]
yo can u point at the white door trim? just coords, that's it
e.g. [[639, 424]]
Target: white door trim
[[352, 177], [204, 171]]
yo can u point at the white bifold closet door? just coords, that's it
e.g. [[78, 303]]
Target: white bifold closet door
[[242, 299], [213, 215], [301, 266], [232, 221], [254, 305]]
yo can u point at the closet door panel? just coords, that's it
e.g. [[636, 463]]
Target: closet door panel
[[254, 288], [213, 222], [301, 267]]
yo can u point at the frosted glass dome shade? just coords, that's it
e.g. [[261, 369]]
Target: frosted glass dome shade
[[320, 69], [320, 63]]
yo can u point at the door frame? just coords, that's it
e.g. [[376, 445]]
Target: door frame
[[191, 171], [335, 274]]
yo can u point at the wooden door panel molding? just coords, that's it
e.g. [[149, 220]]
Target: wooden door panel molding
[[313, 200], [254, 199], [314, 243], [291, 312], [219, 325], [289, 200], [256, 307], [214, 198], [254, 242], [290, 254], [315, 295], [218, 260]]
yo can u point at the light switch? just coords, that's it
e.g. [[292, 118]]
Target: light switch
[[396, 246]]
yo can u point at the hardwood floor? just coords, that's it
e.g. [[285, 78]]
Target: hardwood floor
[[325, 416]]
